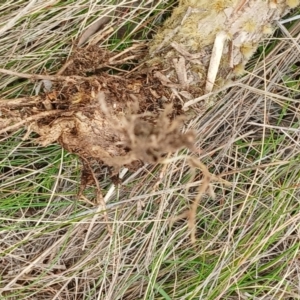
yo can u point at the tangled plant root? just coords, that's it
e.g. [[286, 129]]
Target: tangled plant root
[[204, 188]]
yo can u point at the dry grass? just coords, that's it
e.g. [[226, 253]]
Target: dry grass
[[53, 246]]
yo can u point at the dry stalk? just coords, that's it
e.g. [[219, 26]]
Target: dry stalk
[[204, 188], [41, 77], [30, 119]]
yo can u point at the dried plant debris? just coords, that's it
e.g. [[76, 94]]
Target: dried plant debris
[[109, 118], [93, 59]]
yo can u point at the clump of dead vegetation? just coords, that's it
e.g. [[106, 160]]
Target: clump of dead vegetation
[[114, 120], [110, 118]]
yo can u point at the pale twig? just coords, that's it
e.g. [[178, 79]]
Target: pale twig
[[40, 77], [189, 56], [100, 36], [113, 187], [203, 97], [93, 28], [119, 62], [133, 47], [18, 102], [215, 60], [30, 119], [275, 127], [235, 84], [180, 69], [64, 67], [294, 18]]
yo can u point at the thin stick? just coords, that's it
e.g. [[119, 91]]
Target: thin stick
[[286, 32], [235, 84], [18, 102], [42, 77], [113, 187], [290, 19], [64, 67], [30, 119], [275, 127], [215, 60], [111, 60]]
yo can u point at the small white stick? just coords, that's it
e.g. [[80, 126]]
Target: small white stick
[[289, 19], [215, 60], [101, 207], [203, 97], [113, 187]]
